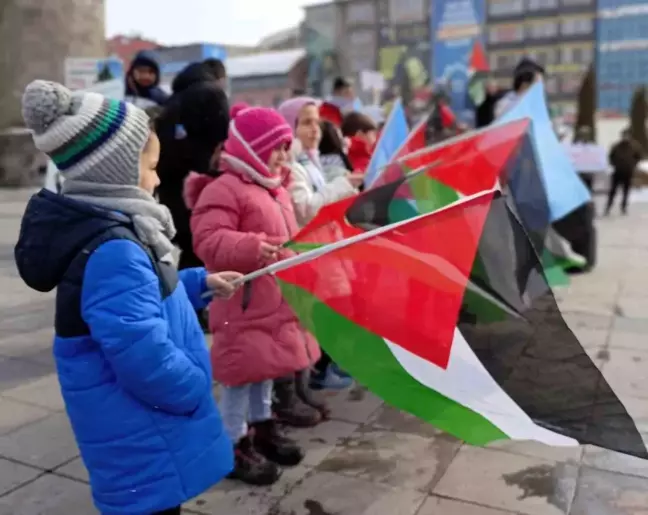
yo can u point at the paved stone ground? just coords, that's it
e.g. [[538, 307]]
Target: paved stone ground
[[369, 460]]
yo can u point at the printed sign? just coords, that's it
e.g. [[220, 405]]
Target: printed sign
[[458, 49], [84, 73], [587, 157]]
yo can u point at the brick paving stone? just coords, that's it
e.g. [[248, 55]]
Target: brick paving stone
[[49, 495], [521, 484], [46, 443], [13, 475]]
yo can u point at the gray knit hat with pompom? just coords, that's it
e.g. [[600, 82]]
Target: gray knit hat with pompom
[[89, 137]]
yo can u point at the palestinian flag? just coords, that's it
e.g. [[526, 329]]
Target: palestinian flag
[[478, 161], [398, 311]]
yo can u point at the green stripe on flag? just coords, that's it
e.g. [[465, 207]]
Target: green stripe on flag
[[553, 270], [367, 358]]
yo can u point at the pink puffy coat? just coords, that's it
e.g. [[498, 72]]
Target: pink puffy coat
[[231, 216]]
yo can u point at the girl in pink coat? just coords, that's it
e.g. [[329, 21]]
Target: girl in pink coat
[[239, 221]]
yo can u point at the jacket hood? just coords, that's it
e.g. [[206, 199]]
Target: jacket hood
[[194, 73], [145, 58], [152, 92], [194, 185], [54, 230]]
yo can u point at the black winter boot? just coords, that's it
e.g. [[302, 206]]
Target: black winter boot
[[251, 467], [270, 443], [289, 409]]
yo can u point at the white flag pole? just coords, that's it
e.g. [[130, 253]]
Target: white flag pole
[[310, 255]]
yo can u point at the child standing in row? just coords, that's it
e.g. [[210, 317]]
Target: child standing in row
[[240, 221], [310, 191], [131, 360], [308, 186]]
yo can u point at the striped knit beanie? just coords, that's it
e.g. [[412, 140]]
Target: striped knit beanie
[[254, 133], [89, 137]]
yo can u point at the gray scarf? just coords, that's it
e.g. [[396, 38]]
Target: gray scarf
[[152, 221]]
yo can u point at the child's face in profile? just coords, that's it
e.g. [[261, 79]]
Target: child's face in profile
[[148, 177], [278, 160], [308, 130]]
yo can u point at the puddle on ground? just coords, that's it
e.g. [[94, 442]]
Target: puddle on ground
[[551, 482]]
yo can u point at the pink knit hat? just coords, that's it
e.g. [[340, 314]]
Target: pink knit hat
[[290, 108], [254, 133]]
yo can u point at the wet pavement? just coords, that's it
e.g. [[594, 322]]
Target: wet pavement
[[370, 459]]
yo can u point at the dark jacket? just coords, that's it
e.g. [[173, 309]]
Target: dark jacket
[[192, 124], [131, 358], [624, 157], [194, 73], [485, 113], [153, 93]]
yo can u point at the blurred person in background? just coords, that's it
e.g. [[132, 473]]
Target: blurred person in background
[[362, 134], [143, 82], [525, 75], [195, 73], [192, 129], [485, 112], [217, 68], [343, 94], [333, 151], [624, 158]]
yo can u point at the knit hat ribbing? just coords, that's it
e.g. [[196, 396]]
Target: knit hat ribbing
[[89, 137], [255, 132]]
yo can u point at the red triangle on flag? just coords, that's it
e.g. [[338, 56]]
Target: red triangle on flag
[[478, 60], [405, 284], [471, 163]]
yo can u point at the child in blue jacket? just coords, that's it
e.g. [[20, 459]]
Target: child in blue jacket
[[130, 354]]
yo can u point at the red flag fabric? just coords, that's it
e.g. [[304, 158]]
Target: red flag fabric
[[405, 284], [471, 163]]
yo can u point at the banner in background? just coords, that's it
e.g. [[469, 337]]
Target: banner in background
[[458, 49], [404, 60], [85, 73]]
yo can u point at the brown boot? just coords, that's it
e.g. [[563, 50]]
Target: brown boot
[[288, 409], [252, 467], [271, 444]]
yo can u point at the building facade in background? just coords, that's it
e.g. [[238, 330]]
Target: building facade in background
[[559, 34], [173, 59], [622, 59], [322, 26], [126, 47], [267, 78], [352, 37]]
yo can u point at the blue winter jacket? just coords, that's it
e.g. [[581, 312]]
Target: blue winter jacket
[[131, 357]]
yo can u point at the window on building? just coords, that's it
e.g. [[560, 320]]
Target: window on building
[[406, 11], [574, 3], [543, 56], [543, 30], [360, 13], [570, 83], [551, 85], [506, 33], [362, 50], [576, 26], [505, 7], [540, 5], [576, 55]]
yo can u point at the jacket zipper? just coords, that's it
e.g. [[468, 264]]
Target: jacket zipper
[[287, 226]]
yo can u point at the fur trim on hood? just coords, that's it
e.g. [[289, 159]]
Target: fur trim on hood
[[194, 185]]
